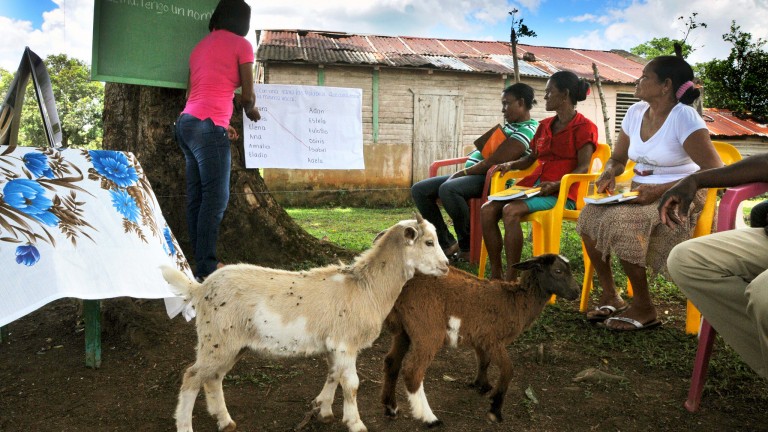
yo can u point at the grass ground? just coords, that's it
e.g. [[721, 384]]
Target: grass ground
[[669, 348]]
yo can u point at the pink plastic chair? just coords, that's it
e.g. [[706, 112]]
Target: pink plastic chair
[[726, 220]]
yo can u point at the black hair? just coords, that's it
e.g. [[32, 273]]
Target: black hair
[[231, 15], [679, 72], [521, 91], [578, 88]]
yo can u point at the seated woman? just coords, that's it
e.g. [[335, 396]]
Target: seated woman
[[454, 190], [563, 144], [668, 140]]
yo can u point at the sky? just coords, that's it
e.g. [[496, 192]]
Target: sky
[[66, 26]]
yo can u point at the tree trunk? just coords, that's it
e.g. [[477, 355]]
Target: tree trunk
[[255, 228]]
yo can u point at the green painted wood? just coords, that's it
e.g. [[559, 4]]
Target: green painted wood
[[92, 316], [321, 75], [507, 82], [375, 102], [147, 42]]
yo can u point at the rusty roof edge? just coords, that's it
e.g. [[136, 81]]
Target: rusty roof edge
[[383, 54], [603, 64], [471, 47], [738, 125], [408, 47]]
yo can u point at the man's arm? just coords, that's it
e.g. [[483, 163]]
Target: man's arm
[[750, 170]]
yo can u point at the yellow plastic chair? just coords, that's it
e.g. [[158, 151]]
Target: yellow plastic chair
[[729, 155], [547, 225]]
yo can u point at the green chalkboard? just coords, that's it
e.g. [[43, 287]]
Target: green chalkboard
[[147, 42]]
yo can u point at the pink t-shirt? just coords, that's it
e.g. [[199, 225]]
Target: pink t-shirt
[[214, 75]]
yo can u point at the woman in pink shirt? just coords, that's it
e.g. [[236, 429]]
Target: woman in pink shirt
[[219, 64]]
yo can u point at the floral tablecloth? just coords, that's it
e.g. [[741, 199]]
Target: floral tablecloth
[[80, 223]]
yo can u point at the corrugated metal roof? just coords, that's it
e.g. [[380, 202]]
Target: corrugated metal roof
[[316, 47], [507, 62], [723, 123]]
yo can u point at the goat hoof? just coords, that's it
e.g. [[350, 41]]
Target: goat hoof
[[494, 417], [390, 411], [231, 427], [483, 388], [326, 419], [435, 424]]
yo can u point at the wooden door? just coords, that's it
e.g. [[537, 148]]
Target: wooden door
[[437, 128]]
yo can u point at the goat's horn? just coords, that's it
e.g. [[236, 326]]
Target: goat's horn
[[418, 217]]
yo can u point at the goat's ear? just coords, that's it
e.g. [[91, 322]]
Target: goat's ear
[[379, 235], [530, 264], [410, 234]]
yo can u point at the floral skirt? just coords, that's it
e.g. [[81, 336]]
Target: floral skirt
[[634, 233]]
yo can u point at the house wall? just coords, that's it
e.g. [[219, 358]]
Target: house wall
[[389, 158], [747, 146]]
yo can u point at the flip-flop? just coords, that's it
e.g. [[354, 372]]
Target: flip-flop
[[637, 324], [612, 310]]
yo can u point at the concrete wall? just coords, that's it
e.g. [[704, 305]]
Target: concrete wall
[[389, 160]]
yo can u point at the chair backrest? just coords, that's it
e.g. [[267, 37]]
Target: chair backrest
[[729, 155]]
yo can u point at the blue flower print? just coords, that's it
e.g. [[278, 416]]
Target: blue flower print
[[114, 166], [125, 205], [29, 197], [169, 248], [37, 164], [27, 255]]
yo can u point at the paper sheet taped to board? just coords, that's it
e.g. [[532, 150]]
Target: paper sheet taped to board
[[305, 127]]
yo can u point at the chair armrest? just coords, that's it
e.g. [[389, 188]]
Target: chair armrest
[[570, 179], [434, 166], [498, 181], [729, 204]]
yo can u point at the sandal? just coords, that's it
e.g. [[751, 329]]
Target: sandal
[[637, 324], [602, 313]]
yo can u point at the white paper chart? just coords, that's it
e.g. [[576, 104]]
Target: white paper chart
[[305, 127]]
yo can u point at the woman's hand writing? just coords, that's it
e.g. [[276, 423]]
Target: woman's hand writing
[[606, 182]]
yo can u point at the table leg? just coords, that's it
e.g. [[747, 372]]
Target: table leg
[[92, 316]]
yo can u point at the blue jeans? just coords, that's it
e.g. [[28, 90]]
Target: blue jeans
[[206, 150], [454, 195]]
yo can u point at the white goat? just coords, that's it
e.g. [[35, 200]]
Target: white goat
[[336, 310], [462, 309]]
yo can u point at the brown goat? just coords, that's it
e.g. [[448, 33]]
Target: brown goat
[[462, 309]]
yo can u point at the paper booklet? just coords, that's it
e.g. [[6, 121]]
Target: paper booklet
[[604, 198], [514, 192]]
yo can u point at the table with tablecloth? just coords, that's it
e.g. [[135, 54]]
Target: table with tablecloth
[[80, 223]]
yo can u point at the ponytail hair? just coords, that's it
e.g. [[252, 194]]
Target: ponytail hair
[[578, 88], [679, 72]]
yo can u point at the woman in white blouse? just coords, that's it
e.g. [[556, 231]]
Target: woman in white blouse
[[668, 140]]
